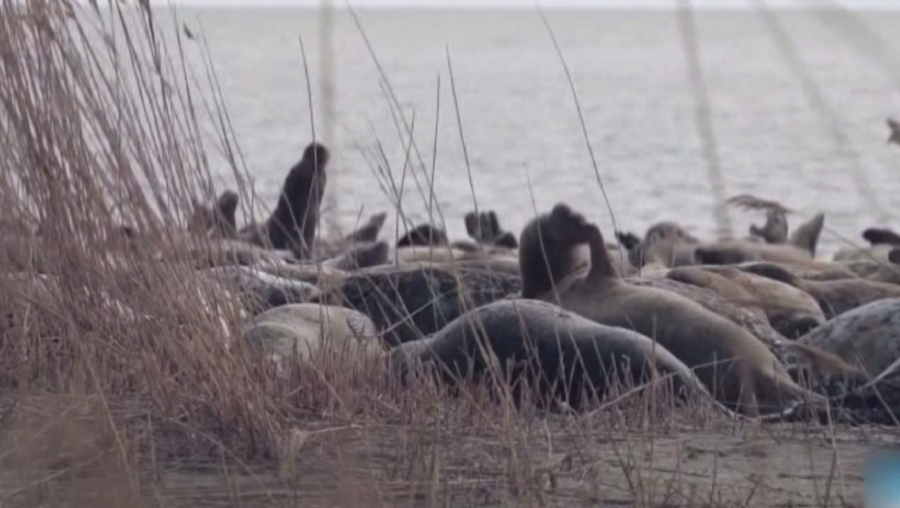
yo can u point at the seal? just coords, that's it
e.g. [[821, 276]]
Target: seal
[[325, 278], [485, 229], [881, 272], [561, 355], [435, 254], [869, 338], [816, 270], [366, 234], [758, 326], [428, 243], [225, 220], [369, 231], [881, 242], [360, 256], [217, 222], [775, 230], [801, 247], [736, 367], [224, 252], [807, 234], [408, 303], [790, 310], [305, 331], [727, 289], [423, 235], [665, 243], [292, 225], [834, 297], [261, 291]]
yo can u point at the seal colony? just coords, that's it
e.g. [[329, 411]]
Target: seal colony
[[759, 324]]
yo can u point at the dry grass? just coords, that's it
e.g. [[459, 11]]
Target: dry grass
[[125, 383]]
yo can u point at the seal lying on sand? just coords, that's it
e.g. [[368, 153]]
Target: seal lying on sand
[[727, 289], [757, 325], [801, 247], [306, 330], [868, 335], [424, 235], [665, 243], [323, 277], [262, 291], [411, 302], [816, 270], [483, 227], [230, 253], [881, 242], [869, 338], [293, 224], [835, 297], [878, 271], [735, 366], [561, 355], [428, 243], [789, 309]]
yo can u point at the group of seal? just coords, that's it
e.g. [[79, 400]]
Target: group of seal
[[758, 324]]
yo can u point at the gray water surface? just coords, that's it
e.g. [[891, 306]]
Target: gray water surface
[[775, 138]]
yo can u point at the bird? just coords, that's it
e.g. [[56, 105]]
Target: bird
[[895, 131]]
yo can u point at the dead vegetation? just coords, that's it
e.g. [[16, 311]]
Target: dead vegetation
[[124, 381]]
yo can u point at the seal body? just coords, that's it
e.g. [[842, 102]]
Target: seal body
[[410, 302], [737, 368], [304, 331], [292, 225], [560, 354]]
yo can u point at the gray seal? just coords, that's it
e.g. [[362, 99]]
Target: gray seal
[[559, 354]]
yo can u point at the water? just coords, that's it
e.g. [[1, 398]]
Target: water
[[519, 119]]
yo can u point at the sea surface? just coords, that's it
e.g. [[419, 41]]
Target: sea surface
[[797, 102]]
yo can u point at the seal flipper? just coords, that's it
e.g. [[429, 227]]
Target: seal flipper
[[806, 236], [508, 240], [368, 232], [579, 231]]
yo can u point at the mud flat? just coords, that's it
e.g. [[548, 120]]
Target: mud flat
[[583, 461]]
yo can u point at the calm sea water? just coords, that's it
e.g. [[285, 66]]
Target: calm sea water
[[812, 136]]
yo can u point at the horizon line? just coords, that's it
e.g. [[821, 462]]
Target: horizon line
[[507, 7]]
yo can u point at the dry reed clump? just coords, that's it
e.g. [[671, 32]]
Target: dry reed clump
[[90, 309]]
